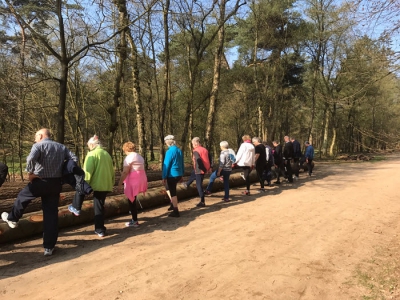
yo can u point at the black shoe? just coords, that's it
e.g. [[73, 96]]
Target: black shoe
[[277, 182], [174, 214], [171, 207], [201, 204]]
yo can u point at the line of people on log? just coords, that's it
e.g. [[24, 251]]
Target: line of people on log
[[51, 164]]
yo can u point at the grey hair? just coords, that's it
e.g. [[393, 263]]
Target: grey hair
[[224, 144], [169, 140], [256, 139], [94, 140], [196, 140]]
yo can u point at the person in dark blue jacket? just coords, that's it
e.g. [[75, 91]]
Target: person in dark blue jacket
[[173, 170], [309, 155]]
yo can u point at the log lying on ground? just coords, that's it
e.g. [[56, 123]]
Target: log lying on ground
[[32, 223], [10, 190]]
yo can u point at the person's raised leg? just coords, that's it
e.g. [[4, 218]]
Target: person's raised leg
[[24, 197], [213, 176]]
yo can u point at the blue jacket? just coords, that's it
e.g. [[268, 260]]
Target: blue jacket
[[309, 152], [173, 163]]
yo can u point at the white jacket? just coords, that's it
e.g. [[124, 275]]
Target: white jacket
[[246, 155]]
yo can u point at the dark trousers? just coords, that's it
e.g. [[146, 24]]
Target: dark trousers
[[133, 209], [260, 171], [288, 170], [99, 198], [170, 185], [199, 185], [267, 175], [296, 163], [309, 166], [49, 190], [279, 171]]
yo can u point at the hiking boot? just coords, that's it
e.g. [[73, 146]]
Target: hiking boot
[[74, 210], [174, 214], [201, 204], [11, 224], [207, 192]]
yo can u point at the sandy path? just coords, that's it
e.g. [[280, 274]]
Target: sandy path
[[294, 242]]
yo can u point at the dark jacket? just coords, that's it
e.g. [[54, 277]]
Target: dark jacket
[[296, 149], [3, 173], [278, 155], [288, 151], [74, 176]]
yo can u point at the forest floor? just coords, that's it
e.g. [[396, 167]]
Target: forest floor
[[331, 236]]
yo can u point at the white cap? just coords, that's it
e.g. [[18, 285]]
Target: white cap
[[169, 137]]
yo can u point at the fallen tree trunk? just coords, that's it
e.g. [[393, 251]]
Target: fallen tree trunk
[[32, 223]]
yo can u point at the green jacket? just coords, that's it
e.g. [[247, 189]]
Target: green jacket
[[99, 170]]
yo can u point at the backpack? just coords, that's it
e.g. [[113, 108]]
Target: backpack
[[269, 155], [231, 156]]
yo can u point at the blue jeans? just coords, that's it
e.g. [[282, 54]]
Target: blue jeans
[[225, 175], [191, 178]]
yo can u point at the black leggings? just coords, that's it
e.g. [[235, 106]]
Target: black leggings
[[171, 183], [260, 171], [133, 209]]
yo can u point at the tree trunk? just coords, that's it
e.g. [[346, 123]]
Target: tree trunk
[[166, 98], [216, 79], [120, 66], [324, 145], [137, 99]]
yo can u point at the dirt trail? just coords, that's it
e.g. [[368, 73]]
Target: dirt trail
[[300, 241]]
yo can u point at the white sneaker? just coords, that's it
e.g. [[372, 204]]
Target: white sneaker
[[132, 223], [242, 175], [12, 224], [48, 252]]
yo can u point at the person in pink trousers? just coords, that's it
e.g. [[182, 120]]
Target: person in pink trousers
[[134, 179]]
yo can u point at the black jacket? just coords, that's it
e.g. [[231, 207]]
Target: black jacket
[[3, 173], [288, 151], [278, 155], [296, 149]]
